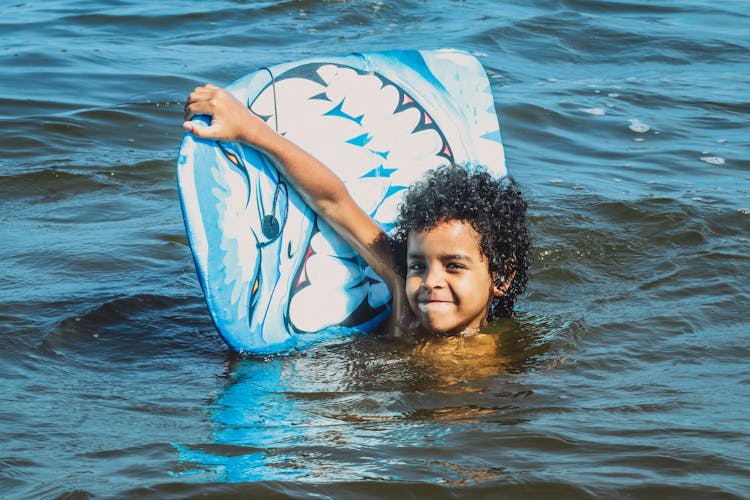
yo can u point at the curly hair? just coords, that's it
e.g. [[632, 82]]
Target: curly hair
[[496, 210]]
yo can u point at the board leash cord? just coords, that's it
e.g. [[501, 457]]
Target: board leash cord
[[270, 225]]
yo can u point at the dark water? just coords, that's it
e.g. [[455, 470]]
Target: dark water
[[625, 373]]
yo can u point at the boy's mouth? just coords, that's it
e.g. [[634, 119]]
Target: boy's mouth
[[432, 304], [424, 298]]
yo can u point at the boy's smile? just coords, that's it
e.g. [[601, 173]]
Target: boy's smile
[[448, 284]]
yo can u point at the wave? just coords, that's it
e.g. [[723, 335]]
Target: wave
[[142, 330]]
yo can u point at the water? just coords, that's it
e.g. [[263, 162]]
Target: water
[[624, 374]]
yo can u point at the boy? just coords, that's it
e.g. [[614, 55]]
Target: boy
[[461, 242]]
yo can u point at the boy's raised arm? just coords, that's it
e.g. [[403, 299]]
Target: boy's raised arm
[[321, 189]]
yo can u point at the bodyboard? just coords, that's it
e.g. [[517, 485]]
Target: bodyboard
[[275, 276]]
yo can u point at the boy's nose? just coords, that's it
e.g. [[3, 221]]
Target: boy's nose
[[433, 278]]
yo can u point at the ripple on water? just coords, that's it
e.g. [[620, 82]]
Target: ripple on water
[[143, 330]]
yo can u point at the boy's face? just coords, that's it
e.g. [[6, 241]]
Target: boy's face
[[448, 283]]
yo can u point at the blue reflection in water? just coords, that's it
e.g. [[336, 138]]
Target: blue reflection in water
[[252, 415], [264, 428]]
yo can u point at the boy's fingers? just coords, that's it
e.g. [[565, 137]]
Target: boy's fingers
[[201, 131], [190, 113], [206, 100], [198, 107], [194, 129], [199, 95]]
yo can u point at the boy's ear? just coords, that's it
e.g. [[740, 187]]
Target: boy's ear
[[499, 291]]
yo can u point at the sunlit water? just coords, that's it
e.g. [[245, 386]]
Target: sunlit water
[[624, 373]]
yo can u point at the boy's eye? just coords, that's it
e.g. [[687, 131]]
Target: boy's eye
[[453, 266], [415, 267]]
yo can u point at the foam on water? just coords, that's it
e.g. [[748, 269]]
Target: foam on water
[[638, 126], [594, 111], [713, 160]]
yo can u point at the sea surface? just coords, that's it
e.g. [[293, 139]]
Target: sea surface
[[624, 374]]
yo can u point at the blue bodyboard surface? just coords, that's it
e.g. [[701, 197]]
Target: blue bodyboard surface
[[379, 120]]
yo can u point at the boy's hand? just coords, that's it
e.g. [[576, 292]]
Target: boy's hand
[[230, 119]]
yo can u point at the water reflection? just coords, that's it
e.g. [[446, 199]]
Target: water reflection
[[363, 407], [455, 359]]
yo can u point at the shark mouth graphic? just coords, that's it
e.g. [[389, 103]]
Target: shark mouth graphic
[[378, 139]]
